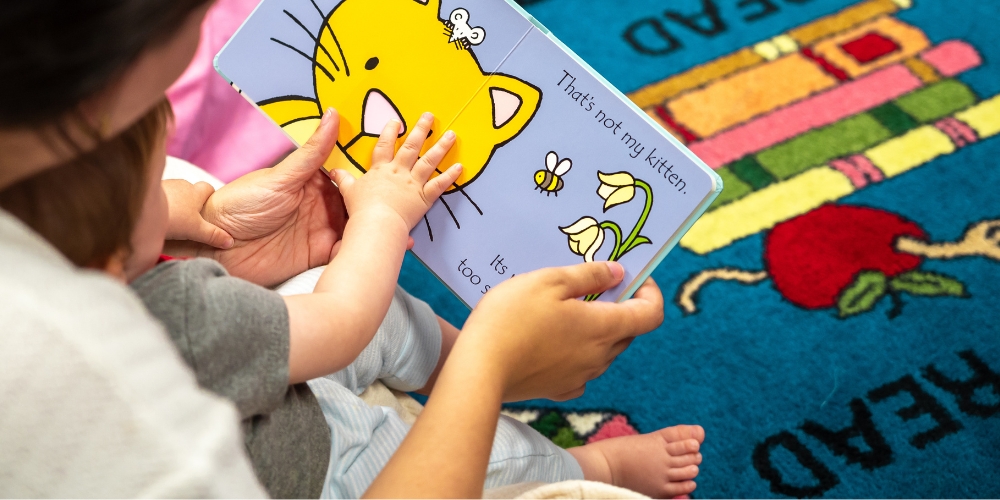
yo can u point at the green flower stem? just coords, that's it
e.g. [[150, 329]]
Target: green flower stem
[[621, 248], [614, 253], [618, 237], [629, 243]]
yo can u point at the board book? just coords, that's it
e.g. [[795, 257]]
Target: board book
[[559, 167]]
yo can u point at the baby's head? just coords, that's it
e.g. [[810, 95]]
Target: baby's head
[[105, 209]]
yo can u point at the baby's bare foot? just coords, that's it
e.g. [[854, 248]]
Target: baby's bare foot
[[660, 464]]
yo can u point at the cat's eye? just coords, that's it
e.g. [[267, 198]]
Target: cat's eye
[[370, 65]]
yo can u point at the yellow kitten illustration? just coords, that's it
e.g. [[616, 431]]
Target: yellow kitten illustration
[[376, 60]]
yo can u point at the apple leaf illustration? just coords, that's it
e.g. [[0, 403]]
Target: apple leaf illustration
[[862, 295], [927, 284]]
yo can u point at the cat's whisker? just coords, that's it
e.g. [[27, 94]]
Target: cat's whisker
[[314, 38], [307, 56], [430, 234], [326, 23], [341, 50], [460, 189], [452, 214], [319, 11], [466, 195]]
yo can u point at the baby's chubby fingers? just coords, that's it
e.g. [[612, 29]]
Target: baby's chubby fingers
[[438, 185], [212, 235], [410, 150], [185, 202], [342, 178], [385, 148], [428, 163]]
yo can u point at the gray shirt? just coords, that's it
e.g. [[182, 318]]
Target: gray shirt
[[235, 336]]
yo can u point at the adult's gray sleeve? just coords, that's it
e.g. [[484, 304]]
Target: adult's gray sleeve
[[234, 334]]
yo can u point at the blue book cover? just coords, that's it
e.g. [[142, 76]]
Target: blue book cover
[[559, 167]]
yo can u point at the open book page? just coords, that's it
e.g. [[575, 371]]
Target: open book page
[[558, 167], [588, 179]]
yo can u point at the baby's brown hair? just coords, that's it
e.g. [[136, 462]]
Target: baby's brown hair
[[88, 207]]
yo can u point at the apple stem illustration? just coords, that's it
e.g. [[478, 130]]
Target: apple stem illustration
[[688, 292], [982, 239]]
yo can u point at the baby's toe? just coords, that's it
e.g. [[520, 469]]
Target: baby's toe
[[682, 473], [684, 447], [684, 460], [672, 490], [697, 433], [682, 432]]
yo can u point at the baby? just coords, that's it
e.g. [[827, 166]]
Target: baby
[[107, 210]]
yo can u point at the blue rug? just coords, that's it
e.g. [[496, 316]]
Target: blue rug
[[834, 321]]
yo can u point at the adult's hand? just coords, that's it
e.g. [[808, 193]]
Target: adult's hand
[[285, 219], [529, 337], [544, 342]]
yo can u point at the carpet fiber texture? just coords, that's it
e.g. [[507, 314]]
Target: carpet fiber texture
[[834, 320]]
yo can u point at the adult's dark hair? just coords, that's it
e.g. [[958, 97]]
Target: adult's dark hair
[[54, 54]]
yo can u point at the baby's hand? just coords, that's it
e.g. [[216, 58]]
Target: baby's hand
[[185, 222], [400, 184]]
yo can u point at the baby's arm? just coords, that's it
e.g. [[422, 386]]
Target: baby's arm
[[185, 222], [332, 325]]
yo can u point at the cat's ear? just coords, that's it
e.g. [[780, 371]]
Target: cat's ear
[[514, 104]]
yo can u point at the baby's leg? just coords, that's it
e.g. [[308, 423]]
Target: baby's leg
[[407, 352], [362, 438], [521, 455], [661, 464], [449, 334], [403, 354]]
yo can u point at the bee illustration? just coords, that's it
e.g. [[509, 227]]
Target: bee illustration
[[550, 180]]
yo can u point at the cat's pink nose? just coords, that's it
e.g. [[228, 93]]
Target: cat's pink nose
[[378, 110]]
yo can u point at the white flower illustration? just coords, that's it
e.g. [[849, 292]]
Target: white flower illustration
[[616, 188], [585, 237]]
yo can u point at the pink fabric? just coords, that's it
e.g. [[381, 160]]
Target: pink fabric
[[616, 427], [952, 57], [216, 128], [823, 109]]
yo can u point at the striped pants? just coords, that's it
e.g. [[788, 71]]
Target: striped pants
[[402, 355]]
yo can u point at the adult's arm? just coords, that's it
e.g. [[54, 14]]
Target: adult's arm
[[529, 338]]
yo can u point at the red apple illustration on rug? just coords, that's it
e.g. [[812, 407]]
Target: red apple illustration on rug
[[851, 257]]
